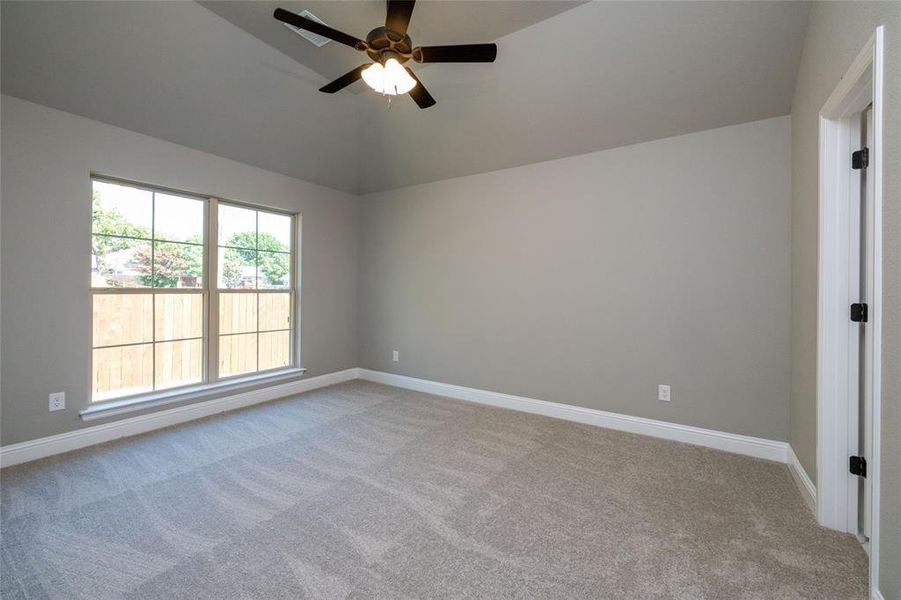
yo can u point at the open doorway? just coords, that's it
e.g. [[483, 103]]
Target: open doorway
[[850, 302]]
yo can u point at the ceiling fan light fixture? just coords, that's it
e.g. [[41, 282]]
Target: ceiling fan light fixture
[[391, 79], [384, 45]]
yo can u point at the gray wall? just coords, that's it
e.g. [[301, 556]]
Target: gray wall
[[47, 157], [591, 279], [835, 35]]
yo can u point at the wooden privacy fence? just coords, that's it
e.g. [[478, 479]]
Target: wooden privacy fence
[[146, 341]]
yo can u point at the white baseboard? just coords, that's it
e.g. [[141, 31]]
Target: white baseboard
[[730, 442], [14, 454], [877, 595], [802, 479]]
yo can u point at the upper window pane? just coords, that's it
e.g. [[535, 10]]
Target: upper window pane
[[177, 219], [122, 210], [273, 271], [177, 265], [237, 226], [237, 269], [136, 235], [120, 262], [274, 232], [255, 249]]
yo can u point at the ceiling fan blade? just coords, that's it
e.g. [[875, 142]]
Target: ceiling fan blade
[[472, 53], [344, 81], [290, 18], [399, 12], [420, 95]]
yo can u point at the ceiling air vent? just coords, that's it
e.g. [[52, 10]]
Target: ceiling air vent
[[316, 40]]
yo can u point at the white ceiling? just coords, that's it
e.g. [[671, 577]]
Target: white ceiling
[[597, 76]]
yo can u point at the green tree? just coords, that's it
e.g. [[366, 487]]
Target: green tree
[[110, 222], [170, 262], [273, 260], [231, 268], [175, 260]]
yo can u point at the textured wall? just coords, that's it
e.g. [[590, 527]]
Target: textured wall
[[836, 33], [47, 158], [591, 279]]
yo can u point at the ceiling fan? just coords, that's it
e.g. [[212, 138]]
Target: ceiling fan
[[389, 47]]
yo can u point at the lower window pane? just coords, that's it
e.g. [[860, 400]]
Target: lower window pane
[[178, 363], [237, 354], [237, 312], [122, 371], [178, 316], [122, 319], [275, 350], [275, 311]]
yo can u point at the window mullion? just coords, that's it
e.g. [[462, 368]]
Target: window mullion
[[212, 288], [153, 289], [256, 284]]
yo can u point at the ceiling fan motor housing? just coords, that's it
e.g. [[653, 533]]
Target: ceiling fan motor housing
[[383, 43]]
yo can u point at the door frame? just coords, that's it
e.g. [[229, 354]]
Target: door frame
[[836, 406]]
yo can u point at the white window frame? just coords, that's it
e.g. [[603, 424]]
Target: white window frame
[[211, 382], [212, 260]]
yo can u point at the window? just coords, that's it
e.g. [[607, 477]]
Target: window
[[254, 281], [158, 320]]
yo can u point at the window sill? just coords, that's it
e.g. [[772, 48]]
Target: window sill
[[208, 391]]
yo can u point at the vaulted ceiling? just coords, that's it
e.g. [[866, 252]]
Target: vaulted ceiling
[[226, 78], [436, 23]]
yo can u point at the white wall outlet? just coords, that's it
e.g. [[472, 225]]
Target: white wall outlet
[[57, 401], [395, 355], [663, 393]]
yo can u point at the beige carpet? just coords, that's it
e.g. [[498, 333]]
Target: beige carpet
[[367, 491]]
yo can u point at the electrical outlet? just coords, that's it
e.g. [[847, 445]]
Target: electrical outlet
[[57, 401], [663, 393], [395, 355]]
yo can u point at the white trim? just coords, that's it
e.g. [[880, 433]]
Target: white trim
[[730, 442], [14, 454], [836, 437], [877, 595], [876, 415], [124, 406], [802, 479]]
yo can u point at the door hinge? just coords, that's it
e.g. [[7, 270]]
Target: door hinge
[[858, 466], [860, 159], [859, 313]]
